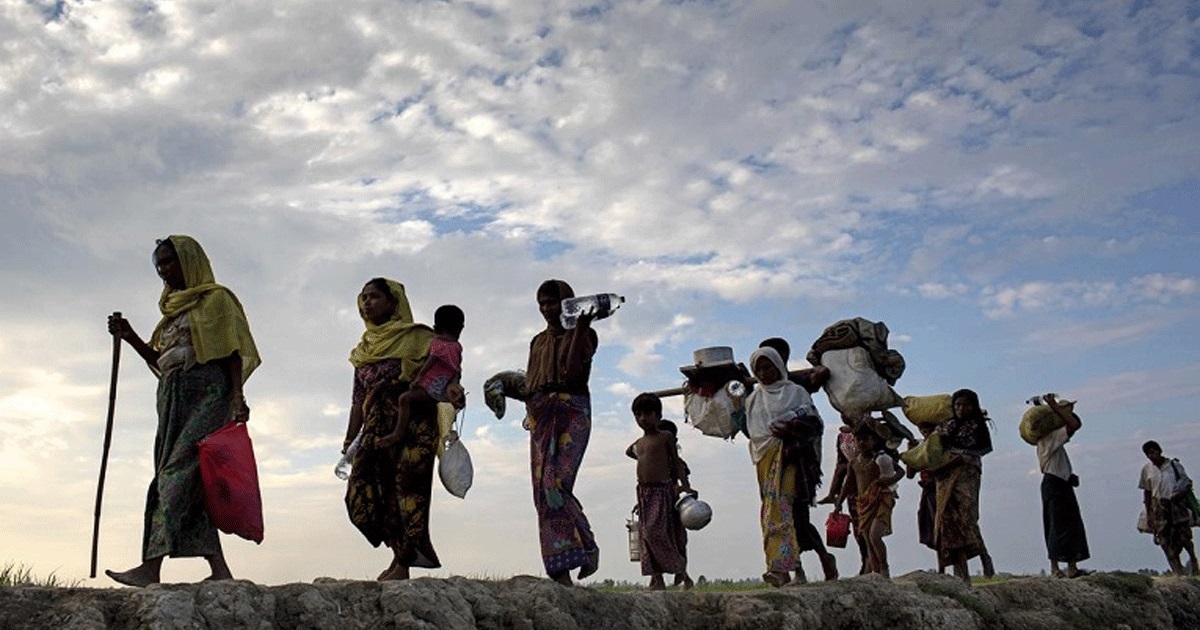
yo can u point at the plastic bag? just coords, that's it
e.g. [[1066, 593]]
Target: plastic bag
[[837, 529], [854, 387], [927, 410], [454, 468], [713, 415], [928, 455], [1143, 522], [230, 477]]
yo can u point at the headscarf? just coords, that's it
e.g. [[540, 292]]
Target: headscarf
[[780, 400], [397, 338], [218, 323], [547, 355]]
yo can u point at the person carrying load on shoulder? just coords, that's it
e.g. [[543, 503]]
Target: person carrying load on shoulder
[[1062, 523]]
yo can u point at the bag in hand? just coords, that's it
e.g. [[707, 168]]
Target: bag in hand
[[230, 476]]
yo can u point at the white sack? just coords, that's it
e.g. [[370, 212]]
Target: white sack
[[854, 387], [455, 468]]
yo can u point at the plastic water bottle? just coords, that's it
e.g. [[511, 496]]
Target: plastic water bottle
[[600, 305], [344, 465]]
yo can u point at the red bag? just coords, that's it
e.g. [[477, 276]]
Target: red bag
[[231, 482], [837, 529]]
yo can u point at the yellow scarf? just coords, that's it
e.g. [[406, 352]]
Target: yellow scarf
[[218, 323], [398, 338]]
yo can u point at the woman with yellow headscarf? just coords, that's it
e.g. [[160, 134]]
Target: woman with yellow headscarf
[[387, 494], [203, 353]]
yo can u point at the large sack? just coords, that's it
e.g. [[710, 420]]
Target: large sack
[[928, 455], [854, 387], [1040, 420], [454, 468], [230, 479], [713, 415], [928, 410]]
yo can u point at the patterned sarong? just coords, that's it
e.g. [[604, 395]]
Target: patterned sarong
[[559, 428], [661, 533]]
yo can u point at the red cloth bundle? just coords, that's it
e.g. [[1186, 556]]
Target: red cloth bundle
[[230, 478], [837, 529]]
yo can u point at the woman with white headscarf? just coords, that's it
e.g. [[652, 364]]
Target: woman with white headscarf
[[785, 445]]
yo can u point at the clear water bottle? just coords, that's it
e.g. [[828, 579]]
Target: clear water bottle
[[344, 465], [600, 305]]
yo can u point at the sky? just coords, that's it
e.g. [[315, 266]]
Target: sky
[[1009, 185]]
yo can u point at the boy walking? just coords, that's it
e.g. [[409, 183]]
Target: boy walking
[[661, 476], [1165, 486]]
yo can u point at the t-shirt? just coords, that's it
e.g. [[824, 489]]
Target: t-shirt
[[445, 364], [1163, 482], [1052, 456]]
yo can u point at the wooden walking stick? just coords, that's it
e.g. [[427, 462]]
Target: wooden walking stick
[[108, 427]]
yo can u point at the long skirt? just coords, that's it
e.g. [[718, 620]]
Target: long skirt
[[661, 534], [559, 428], [956, 520], [1066, 541], [777, 491], [192, 403], [388, 493]]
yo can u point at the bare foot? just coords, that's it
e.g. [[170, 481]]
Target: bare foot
[[829, 566], [397, 572], [391, 567], [139, 576], [657, 584], [776, 578], [989, 570], [563, 578]]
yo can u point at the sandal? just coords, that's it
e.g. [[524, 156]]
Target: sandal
[[1079, 573]]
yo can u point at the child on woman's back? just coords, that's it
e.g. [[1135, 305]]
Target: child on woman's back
[[872, 478], [661, 476], [438, 378]]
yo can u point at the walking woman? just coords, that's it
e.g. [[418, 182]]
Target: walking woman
[[559, 407], [203, 353], [956, 522], [387, 495], [785, 446]]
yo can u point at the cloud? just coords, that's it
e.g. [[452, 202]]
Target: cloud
[[1069, 295]]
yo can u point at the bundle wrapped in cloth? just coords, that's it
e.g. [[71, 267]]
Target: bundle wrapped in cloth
[[707, 402], [510, 383], [861, 367], [1040, 420]]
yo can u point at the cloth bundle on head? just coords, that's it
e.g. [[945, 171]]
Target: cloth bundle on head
[[548, 358], [397, 338], [217, 320]]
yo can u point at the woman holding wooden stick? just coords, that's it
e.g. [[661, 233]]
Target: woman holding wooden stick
[[203, 352]]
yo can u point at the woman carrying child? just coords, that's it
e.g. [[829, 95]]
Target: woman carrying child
[[387, 495], [559, 407], [661, 476], [785, 445]]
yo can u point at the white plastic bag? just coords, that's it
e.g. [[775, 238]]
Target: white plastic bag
[[1143, 522], [854, 387], [712, 415], [455, 469]]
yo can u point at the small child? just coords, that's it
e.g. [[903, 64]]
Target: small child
[[661, 475], [871, 478], [437, 380]]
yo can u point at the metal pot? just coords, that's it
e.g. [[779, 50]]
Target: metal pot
[[694, 513]]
